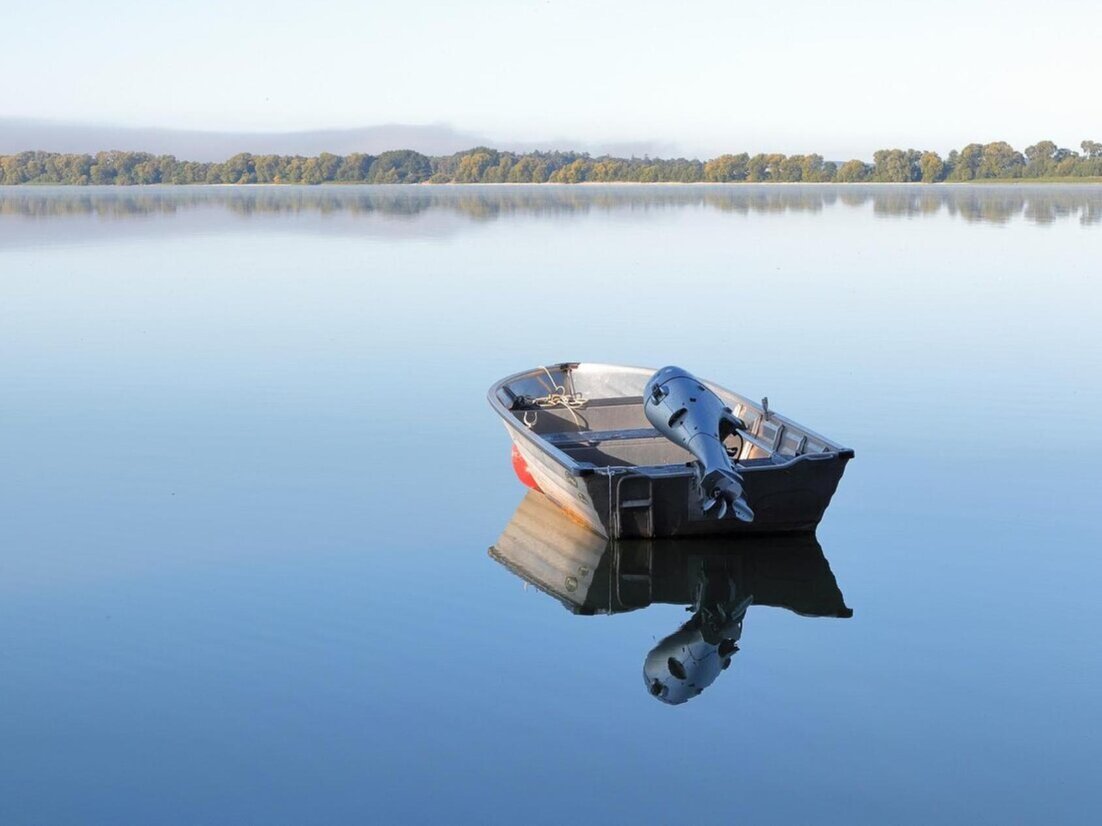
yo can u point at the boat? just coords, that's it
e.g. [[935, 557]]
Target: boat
[[585, 435], [718, 578]]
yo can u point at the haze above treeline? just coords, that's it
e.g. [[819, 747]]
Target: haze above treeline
[[992, 161]]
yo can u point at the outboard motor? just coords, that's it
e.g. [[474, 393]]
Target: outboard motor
[[690, 415]]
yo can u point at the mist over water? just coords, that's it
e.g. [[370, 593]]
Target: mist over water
[[250, 479], [1000, 203]]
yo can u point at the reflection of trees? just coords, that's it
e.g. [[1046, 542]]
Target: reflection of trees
[[991, 204], [909, 202]]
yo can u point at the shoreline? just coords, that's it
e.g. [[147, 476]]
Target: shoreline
[[1074, 181]]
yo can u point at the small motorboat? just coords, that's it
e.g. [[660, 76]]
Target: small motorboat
[[633, 452]]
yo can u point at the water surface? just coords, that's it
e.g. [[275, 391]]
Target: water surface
[[250, 479]]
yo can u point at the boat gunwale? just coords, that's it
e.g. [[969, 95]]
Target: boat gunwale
[[575, 468]]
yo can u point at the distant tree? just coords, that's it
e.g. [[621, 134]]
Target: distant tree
[[574, 172], [529, 169], [294, 170], [1091, 163], [499, 172], [727, 168], [688, 171], [403, 166], [13, 169], [167, 165], [608, 169], [967, 163], [789, 169], [1000, 160], [1067, 165], [75, 169], [951, 162], [100, 172], [240, 169], [813, 169], [320, 169], [852, 172], [896, 165], [931, 167], [147, 171], [1040, 159], [267, 169], [354, 168], [473, 165]]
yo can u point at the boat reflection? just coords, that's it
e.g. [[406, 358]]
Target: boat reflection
[[718, 579]]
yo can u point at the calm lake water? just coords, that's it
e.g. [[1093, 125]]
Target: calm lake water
[[249, 479]]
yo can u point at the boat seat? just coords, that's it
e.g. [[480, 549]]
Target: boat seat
[[525, 403], [577, 437]]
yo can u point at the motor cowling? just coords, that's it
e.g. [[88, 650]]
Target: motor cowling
[[687, 413]]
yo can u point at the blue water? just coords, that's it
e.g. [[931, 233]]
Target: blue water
[[249, 477]]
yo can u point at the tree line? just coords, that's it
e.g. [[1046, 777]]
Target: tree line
[[991, 161]]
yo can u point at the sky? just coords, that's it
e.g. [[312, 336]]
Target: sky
[[698, 77]]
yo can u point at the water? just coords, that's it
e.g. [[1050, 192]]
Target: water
[[250, 477]]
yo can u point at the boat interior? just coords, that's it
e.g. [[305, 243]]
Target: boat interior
[[594, 414]]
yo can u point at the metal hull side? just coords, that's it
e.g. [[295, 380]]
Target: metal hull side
[[786, 498], [662, 502], [558, 483]]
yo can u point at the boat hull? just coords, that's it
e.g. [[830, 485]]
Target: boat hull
[[640, 502]]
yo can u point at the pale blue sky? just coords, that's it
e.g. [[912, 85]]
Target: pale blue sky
[[841, 78]]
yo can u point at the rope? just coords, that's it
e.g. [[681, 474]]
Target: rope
[[557, 396], [611, 530]]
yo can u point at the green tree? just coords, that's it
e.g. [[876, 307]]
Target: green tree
[[852, 172], [931, 167], [727, 168], [790, 169], [813, 169], [240, 169], [607, 170], [473, 165], [896, 165], [574, 172], [529, 169], [403, 166], [1040, 159], [354, 168], [1000, 160], [967, 163]]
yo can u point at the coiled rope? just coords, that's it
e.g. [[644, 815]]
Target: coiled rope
[[557, 396]]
